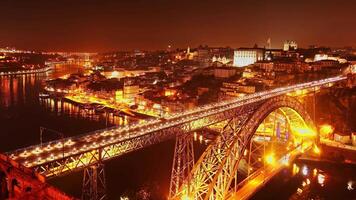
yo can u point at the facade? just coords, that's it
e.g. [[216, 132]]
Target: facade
[[224, 72], [235, 89], [290, 45], [203, 56], [247, 56]]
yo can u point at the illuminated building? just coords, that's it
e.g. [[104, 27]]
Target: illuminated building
[[321, 57], [247, 56], [223, 60], [236, 89], [290, 45], [131, 91], [342, 138]]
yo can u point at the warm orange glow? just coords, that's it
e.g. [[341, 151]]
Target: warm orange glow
[[316, 149], [326, 130], [186, 197], [304, 131], [270, 159], [114, 74]]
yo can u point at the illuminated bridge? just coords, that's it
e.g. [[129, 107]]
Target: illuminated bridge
[[250, 127]]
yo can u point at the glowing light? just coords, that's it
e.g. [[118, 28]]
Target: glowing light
[[286, 161], [59, 145], [321, 179], [299, 92], [69, 143], [350, 185], [305, 171], [114, 74], [308, 181], [304, 132], [200, 138], [325, 130], [270, 159], [124, 198], [186, 197], [315, 172], [316, 149], [25, 154], [245, 152]]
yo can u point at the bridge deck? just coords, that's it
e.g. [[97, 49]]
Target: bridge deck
[[258, 179], [78, 152]]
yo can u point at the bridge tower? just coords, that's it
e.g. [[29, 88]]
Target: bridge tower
[[183, 162], [94, 183], [94, 186]]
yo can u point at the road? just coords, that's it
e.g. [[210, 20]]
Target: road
[[258, 179]]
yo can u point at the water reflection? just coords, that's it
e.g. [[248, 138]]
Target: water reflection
[[61, 107], [16, 90], [23, 90], [303, 181]]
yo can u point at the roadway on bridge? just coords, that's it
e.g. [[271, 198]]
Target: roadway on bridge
[[52, 152], [258, 179]]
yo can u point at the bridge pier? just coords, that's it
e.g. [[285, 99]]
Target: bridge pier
[[94, 187], [183, 162]]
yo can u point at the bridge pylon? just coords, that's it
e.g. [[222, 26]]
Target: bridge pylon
[[183, 162], [94, 187]]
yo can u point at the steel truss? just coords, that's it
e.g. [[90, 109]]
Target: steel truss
[[213, 174], [77, 162], [183, 162], [94, 187], [255, 155], [126, 139], [210, 162]]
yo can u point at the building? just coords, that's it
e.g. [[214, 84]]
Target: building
[[247, 56], [203, 56], [271, 54], [290, 45], [224, 72], [236, 89]]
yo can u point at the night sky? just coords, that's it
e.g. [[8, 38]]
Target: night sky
[[90, 25]]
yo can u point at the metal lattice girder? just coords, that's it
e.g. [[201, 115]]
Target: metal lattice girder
[[183, 162], [255, 156], [117, 141], [204, 170], [94, 187], [76, 162], [217, 168], [256, 119]]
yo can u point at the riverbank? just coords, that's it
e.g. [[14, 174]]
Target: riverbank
[[31, 71], [330, 154]]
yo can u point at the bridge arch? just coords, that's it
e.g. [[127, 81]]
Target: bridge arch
[[212, 176], [296, 114]]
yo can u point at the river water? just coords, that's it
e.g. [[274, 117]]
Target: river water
[[22, 114]]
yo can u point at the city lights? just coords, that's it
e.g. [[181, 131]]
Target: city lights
[[221, 98], [270, 159], [316, 149]]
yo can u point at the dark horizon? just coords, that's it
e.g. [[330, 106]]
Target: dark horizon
[[96, 26]]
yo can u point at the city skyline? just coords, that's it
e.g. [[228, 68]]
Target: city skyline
[[99, 27]]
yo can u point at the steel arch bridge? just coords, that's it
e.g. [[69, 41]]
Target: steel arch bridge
[[214, 175], [211, 177]]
